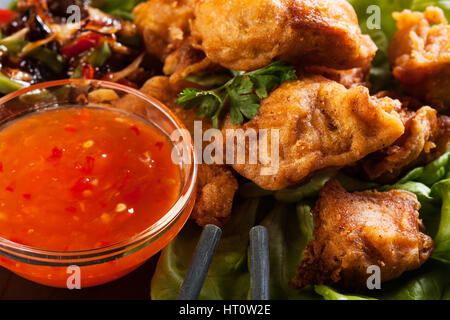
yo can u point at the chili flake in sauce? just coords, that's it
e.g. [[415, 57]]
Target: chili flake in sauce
[[81, 178]]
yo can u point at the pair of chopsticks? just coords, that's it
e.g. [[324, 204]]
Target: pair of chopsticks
[[204, 252]]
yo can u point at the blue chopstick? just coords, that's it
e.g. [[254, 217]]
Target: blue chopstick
[[259, 264], [204, 252]]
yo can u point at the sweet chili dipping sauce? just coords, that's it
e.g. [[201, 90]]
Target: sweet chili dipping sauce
[[83, 178]]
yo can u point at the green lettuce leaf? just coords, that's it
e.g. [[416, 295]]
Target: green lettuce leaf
[[442, 238], [421, 181], [431, 282], [330, 294], [289, 231], [305, 190], [427, 283]]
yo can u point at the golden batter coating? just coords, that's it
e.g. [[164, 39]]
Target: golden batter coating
[[215, 193], [164, 24], [321, 124], [356, 230], [247, 35], [426, 137], [348, 78], [420, 55], [216, 185]]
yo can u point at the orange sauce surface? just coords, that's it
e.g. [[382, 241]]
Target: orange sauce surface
[[82, 178]]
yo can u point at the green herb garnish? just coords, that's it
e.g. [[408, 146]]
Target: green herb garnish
[[243, 93]]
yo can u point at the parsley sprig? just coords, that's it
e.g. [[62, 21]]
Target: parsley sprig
[[243, 92]]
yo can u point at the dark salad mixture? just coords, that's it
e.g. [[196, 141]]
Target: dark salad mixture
[[43, 40]]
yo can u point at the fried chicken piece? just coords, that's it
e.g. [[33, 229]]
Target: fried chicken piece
[[215, 193], [164, 24], [216, 184], [356, 230], [247, 35], [426, 137], [186, 60], [420, 55], [348, 78], [321, 124], [165, 29]]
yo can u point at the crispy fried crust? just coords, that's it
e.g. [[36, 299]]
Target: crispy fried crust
[[321, 124], [165, 29], [216, 189], [216, 184], [356, 230], [426, 137], [164, 24], [247, 35], [420, 55], [348, 78]]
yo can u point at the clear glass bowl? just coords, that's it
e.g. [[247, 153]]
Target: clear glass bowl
[[104, 264]]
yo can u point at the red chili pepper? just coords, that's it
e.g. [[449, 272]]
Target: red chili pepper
[[81, 185], [159, 144], [1, 167], [10, 188], [125, 180], [71, 209], [27, 196], [87, 71], [56, 154], [84, 42], [136, 130], [104, 243], [88, 165], [16, 240], [133, 196], [70, 129], [6, 16]]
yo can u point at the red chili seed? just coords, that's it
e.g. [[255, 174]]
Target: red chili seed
[[104, 243], [1, 167], [81, 185], [159, 144], [133, 196], [16, 240], [56, 154], [88, 166], [71, 209], [136, 130], [70, 129], [11, 187], [27, 196], [87, 71], [125, 180]]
